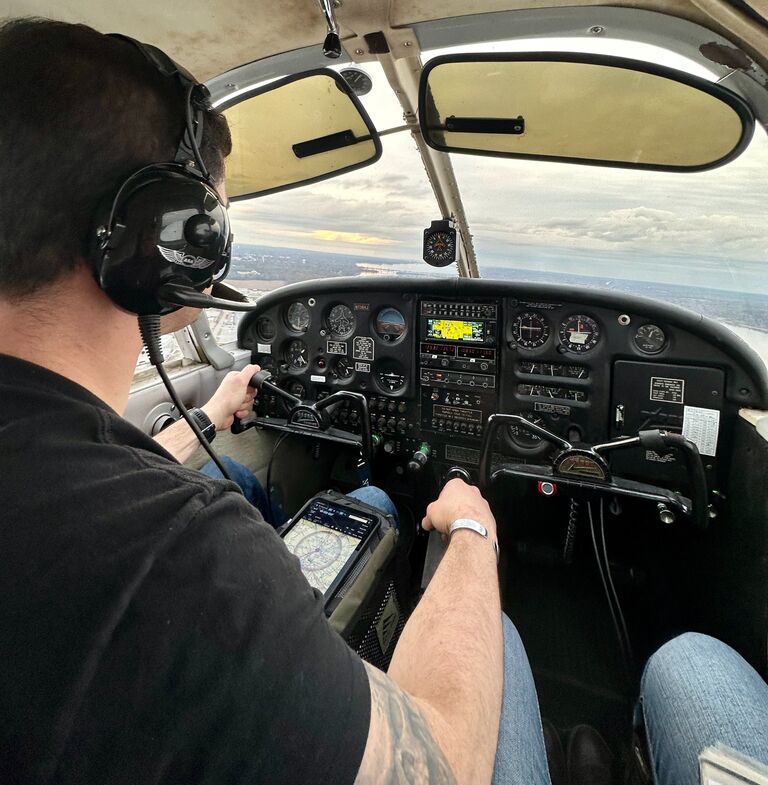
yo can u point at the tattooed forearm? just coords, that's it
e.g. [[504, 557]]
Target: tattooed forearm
[[401, 749]]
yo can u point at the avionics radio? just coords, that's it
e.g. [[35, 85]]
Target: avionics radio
[[458, 336], [458, 367]]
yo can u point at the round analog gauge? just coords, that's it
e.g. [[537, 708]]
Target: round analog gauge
[[650, 339], [341, 321], [579, 333], [296, 354], [343, 369], [295, 387], [390, 324], [440, 247], [530, 330], [358, 80], [267, 363], [297, 317], [390, 376], [522, 437], [265, 329]]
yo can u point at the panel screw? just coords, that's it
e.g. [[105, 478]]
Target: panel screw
[[744, 391], [408, 43], [359, 51], [597, 30]]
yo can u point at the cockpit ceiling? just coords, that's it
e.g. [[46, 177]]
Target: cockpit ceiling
[[213, 38]]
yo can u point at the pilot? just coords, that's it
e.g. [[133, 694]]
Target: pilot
[[153, 628]]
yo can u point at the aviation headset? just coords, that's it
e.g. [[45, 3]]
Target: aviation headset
[[165, 235]]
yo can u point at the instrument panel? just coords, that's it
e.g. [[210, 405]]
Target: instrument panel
[[436, 358]]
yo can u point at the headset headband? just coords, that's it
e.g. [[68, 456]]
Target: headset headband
[[197, 100]]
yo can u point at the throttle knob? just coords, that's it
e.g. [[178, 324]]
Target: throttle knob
[[457, 472]]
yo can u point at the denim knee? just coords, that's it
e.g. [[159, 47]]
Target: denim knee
[[683, 651]]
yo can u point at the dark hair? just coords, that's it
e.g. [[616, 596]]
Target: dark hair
[[81, 112]]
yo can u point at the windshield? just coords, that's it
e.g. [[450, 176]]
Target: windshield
[[694, 239]]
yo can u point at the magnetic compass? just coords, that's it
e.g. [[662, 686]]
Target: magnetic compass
[[440, 245]]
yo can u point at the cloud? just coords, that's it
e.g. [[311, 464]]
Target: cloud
[[355, 238]]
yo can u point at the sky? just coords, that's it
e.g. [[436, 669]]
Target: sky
[[707, 228]]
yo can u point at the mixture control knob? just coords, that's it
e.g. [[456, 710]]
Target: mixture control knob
[[420, 458]]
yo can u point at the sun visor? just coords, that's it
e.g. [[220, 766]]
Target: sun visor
[[294, 131]]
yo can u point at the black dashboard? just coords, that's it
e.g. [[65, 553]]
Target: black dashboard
[[436, 358]]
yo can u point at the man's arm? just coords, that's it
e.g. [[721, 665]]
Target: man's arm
[[435, 715], [234, 398]]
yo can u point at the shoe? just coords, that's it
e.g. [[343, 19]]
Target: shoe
[[589, 759], [558, 773]]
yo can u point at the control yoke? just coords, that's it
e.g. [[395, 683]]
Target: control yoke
[[311, 419], [583, 468]]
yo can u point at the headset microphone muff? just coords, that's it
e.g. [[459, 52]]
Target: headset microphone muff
[[166, 223]]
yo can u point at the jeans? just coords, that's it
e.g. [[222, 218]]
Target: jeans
[[520, 755], [254, 492], [697, 691], [249, 484]]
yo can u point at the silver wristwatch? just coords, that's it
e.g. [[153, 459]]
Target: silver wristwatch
[[475, 526]]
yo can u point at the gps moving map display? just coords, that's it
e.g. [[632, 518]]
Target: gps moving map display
[[328, 539], [455, 330]]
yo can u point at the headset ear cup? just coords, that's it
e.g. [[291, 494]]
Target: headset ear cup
[[166, 224]]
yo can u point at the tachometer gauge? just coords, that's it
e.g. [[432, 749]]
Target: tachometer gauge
[[341, 321], [530, 330], [296, 354], [265, 329], [297, 317], [390, 324], [522, 437], [579, 333], [390, 376], [343, 369], [650, 339]]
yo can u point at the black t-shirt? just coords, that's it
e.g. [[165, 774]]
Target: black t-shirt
[[153, 629]]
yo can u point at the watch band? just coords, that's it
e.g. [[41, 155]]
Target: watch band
[[205, 423], [475, 526]]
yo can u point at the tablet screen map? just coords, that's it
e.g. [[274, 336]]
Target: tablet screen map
[[322, 551]]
